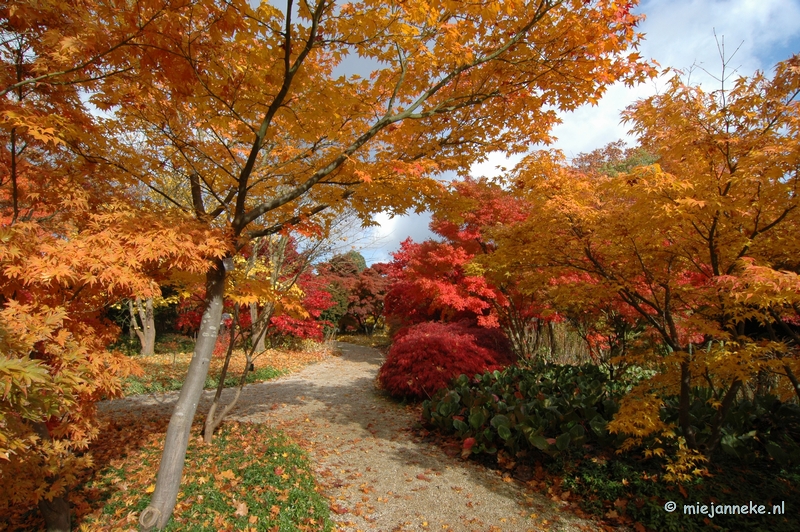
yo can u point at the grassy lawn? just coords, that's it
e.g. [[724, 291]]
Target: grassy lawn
[[250, 478], [165, 371]]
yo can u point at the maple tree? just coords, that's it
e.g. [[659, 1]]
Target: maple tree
[[357, 291], [54, 360], [142, 316], [366, 303], [441, 280], [696, 247], [71, 247], [143, 323], [236, 115]]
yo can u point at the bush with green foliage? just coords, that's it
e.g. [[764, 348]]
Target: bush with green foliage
[[755, 428], [627, 489], [558, 414], [554, 408], [547, 407]]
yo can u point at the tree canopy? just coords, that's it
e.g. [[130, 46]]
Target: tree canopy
[[218, 122]]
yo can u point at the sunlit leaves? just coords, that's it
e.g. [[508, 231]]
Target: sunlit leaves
[[694, 248]]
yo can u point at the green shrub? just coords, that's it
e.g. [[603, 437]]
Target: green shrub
[[543, 406], [555, 408], [633, 490], [754, 429], [560, 413]]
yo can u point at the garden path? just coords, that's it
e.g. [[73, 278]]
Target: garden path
[[378, 475]]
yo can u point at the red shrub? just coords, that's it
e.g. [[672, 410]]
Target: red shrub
[[427, 356], [221, 347]]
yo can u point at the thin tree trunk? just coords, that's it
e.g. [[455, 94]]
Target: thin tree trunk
[[213, 422], [716, 428], [168, 481], [149, 326], [147, 331], [256, 329], [684, 404], [793, 379], [135, 321], [56, 511], [210, 425], [56, 514]]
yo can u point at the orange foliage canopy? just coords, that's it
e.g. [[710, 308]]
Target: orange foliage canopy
[[226, 122], [701, 247], [71, 245]]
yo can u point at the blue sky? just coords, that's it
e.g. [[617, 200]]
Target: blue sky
[[678, 34]]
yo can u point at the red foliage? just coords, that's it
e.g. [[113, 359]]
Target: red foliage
[[366, 300], [315, 302], [190, 312], [433, 280], [221, 347], [427, 356], [428, 283]]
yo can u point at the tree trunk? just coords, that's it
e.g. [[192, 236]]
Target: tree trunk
[[55, 511], [149, 326], [716, 427], [212, 420], [147, 331], [256, 328], [56, 514], [793, 380], [211, 424], [684, 403], [170, 471]]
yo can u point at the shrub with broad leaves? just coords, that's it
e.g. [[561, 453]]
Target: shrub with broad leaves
[[548, 407], [428, 356]]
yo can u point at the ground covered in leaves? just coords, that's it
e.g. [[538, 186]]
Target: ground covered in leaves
[[375, 469], [165, 372], [380, 340], [251, 478]]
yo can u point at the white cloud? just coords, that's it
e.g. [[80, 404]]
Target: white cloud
[[386, 237], [494, 164], [681, 34]]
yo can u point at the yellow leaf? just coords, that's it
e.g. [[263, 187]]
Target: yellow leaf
[[241, 509]]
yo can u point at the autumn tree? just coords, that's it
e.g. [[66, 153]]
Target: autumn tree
[[697, 246], [242, 118], [366, 302], [71, 246], [357, 291], [142, 317], [443, 280]]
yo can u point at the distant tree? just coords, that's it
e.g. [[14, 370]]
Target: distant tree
[[366, 301]]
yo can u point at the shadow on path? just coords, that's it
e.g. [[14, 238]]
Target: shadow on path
[[375, 473]]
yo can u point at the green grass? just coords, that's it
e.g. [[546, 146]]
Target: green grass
[[166, 370], [251, 478], [167, 379]]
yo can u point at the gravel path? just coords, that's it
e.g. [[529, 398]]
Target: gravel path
[[377, 475]]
